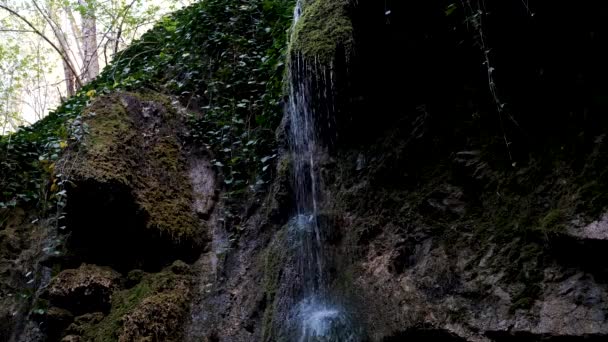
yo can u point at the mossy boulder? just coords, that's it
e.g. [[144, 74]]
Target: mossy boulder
[[158, 317], [323, 28], [132, 188], [85, 289], [152, 310], [133, 141]]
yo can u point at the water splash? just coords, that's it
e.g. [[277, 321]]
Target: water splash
[[324, 323]]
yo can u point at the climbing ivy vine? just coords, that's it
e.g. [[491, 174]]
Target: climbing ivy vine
[[222, 58]]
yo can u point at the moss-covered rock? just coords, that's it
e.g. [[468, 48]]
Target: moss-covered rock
[[323, 27], [158, 317], [132, 188], [86, 289], [133, 141], [553, 221], [273, 260], [152, 309]]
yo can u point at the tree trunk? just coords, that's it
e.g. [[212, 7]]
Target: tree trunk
[[70, 80], [70, 77], [89, 43], [75, 29], [69, 72]]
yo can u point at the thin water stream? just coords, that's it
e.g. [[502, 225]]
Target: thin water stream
[[318, 316]]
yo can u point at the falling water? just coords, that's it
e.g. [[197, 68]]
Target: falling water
[[317, 315]]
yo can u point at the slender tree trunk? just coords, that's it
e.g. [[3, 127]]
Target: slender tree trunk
[[89, 43], [70, 77], [68, 70], [70, 80], [75, 29]]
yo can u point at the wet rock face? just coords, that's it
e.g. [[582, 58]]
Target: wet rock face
[[22, 240], [446, 226], [418, 264], [446, 221], [86, 289], [204, 186], [596, 230]]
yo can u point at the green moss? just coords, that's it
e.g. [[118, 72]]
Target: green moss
[[284, 167], [526, 298], [166, 153], [109, 125], [592, 194], [157, 318], [134, 277], [323, 27], [125, 302], [107, 120], [553, 221], [41, 305], [132, 141], [273, 259]]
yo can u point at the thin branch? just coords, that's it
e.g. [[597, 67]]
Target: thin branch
[[51, 18], [122, 22], [18, 31]]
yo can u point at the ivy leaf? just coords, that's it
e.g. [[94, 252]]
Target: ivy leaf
[[267, 158]]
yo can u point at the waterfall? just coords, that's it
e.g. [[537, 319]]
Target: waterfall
[[317, 316]]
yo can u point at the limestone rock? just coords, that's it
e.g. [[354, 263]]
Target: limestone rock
[[157, 318], [596, 230], [86, 289], [136, 188]]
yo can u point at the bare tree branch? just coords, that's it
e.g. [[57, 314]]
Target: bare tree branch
[[70, 76], [122, 22], [16, 30]]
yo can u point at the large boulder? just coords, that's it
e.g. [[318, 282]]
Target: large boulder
[[157, 318], [154, 309], [85, 289], [137, 188]]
